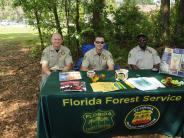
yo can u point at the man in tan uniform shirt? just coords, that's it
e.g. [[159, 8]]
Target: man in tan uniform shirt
[[98, 58], [55, 57], [143, 56]]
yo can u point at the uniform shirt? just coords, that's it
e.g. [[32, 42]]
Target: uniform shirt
[[143, 59], [95, 62], [56, 59]]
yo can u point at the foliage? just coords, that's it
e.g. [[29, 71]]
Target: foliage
[[120, 25]]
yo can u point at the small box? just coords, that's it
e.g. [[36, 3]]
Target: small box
[[91, 73], [121, 74]]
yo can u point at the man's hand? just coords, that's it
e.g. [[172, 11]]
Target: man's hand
[[156, 66], [54, 68], [83, 68], [111, 67], [134, 67], [67, 67]]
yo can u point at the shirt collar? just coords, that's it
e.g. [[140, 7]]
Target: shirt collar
[[95, 53], [52, 48], [147, 49], [139, 49]]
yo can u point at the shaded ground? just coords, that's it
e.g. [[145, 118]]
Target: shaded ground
[[19, 87]]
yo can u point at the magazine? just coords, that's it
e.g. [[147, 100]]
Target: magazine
[[68, 76], [73, 86], [145, 83], [172, 62]]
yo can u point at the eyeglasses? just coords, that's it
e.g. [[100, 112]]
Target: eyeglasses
[[142, 40], [99, 42]]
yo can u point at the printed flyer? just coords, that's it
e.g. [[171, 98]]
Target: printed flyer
[[172, 62], [73, 86], [68, 76]]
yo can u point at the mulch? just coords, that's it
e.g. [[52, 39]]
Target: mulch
[[19, 89]]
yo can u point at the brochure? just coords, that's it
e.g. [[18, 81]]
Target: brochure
[[68, 76], [73, 86], [107, 86], [172, 62], [145, 83]]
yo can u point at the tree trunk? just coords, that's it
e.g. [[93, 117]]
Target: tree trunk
[[58, 26], [165, 12], [77, 26], [97, 18], [67, 3], [178, 40], [181, 12], [39, 29]]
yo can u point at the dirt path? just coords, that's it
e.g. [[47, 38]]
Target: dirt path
[[19, 87]]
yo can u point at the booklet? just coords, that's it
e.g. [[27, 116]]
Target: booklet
[[172, 62], [145, 83], [107, 86], [68, 76], [73, 86]]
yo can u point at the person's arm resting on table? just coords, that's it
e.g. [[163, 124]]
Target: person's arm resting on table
[[156, 66], [110, 63], [156, 60], [83, 68], [67, 67], [68, 62], [132, 61], [45, 69], [85, 64], [134, 67]]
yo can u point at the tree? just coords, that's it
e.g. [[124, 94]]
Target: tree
[[57, 21], [98, 6], [179, 26], [181, 12], [32, 10], [165, 13], [67, 15], [77, 23]]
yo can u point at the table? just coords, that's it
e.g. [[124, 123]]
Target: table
[[126, 112]]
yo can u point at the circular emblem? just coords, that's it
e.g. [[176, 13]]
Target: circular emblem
[[104, 57], [62, 53], [141, 117]]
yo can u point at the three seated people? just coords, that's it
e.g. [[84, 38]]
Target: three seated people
[[58, 57]]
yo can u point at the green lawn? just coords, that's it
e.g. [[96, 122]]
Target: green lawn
[[24, 36], [16, 29]]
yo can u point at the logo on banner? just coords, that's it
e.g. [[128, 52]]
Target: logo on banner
[[141, 117], [98, 121]]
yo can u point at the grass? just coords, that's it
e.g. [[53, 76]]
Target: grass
[[16, 29], [24, 36]]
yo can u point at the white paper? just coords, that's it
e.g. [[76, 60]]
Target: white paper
[[145, 83]]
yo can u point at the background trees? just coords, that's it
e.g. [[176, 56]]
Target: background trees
[[120, 21]]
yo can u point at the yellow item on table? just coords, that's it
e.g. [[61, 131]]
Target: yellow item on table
[[129, 84], [103, 87]]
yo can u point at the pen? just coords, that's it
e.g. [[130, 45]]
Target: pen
[[129, 84], [119, 83]]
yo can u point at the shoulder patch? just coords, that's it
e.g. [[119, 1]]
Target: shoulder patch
[[129, 55], [70, 53], [104, 57], [43, 53], [84, 58], [110, 56]]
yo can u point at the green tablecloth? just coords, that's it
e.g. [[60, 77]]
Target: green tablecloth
[[126, 112]]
